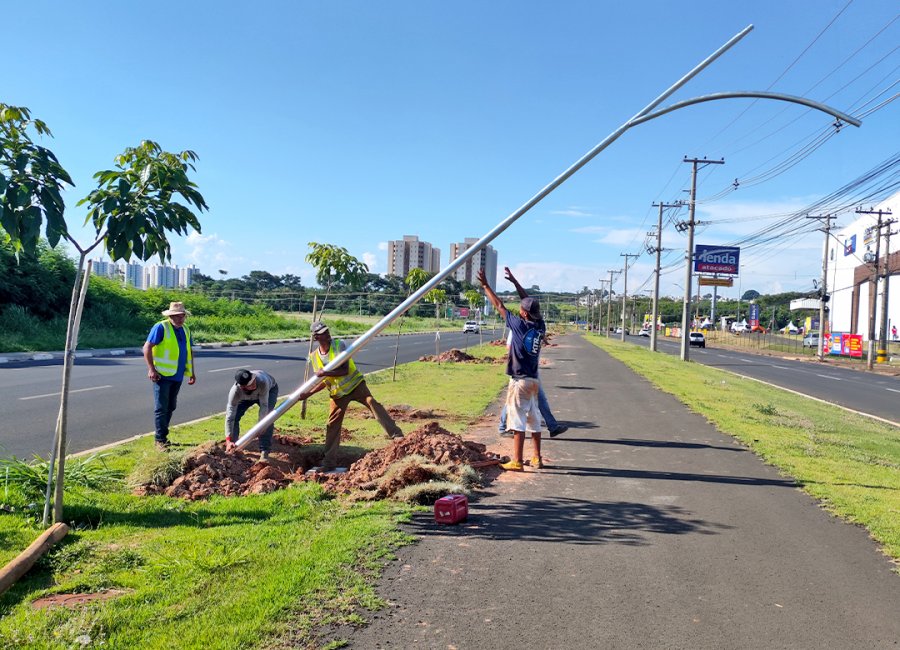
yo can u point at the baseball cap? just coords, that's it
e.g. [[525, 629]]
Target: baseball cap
[[243, 377], [532, 307]]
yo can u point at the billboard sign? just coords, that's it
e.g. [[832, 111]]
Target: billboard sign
[[753, 317], [850, 246], [716, 259], [851, 345]]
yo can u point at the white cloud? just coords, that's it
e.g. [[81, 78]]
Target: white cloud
[[574, 211], [382, 245], [371, 260]]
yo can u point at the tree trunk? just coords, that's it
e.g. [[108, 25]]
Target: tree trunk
[[309, 352], [76, 306]]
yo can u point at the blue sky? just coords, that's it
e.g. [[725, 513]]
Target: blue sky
[[358, 122]]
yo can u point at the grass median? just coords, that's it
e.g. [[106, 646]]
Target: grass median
[[240, 572], [849, 462]]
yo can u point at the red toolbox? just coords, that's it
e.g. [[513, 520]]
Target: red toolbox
[[451, 509]]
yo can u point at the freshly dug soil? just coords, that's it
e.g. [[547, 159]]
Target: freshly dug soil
[[455, 356], [211, 470]]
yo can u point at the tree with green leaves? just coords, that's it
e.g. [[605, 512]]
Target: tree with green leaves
[[436, 297], [334, 265], [475, 299], [133, 210]]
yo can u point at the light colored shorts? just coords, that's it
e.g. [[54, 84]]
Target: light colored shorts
[[522, 412]]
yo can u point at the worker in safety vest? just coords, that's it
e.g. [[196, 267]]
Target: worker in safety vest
[[169, 358], [345, 384]]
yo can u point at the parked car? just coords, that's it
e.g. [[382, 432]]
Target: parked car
[[471, 326], [740, 328], [697, 338], [811, 340], [644, 332], [619, 331]]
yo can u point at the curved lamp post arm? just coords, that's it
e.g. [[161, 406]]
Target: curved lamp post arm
[[757, 94]]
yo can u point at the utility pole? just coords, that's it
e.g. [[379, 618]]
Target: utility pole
[[600, 303], [823, 296], [873, 290], [609, 300], [658, 250], [689, 254], [625, 290]]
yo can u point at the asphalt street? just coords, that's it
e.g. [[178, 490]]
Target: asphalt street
[[111, 398], [867, 392], [648, 529]]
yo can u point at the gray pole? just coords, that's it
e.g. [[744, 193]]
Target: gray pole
[[658, 250], [625, 291], [885, 277], [689, 255], [609, 302], [873, 286], [820, 348]]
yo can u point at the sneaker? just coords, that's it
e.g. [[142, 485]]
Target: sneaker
[[513, 466], [537, 462], [395, 436], [562, 428], [162, 445], [507, 434], [264, 457]]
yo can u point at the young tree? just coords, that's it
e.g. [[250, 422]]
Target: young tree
[[438, 297], [335, 266], [133, 211]]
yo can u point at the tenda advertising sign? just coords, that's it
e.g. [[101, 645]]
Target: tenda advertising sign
[[716, 259]]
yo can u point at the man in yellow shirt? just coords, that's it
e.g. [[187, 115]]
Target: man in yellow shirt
[[345, 384]]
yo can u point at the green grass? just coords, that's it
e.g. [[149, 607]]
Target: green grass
[[849, 462], [256, 571]]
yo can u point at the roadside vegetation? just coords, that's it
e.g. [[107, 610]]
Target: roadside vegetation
[[239, 572], [849, 462]]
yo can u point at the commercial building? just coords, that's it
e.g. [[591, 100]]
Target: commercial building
[[485, 259], [855, 293], [411, 253]]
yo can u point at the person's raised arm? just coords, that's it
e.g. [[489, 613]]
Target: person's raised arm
[[495, 301], [509, 276]]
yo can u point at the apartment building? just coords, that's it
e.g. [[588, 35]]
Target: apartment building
[[411, 253]]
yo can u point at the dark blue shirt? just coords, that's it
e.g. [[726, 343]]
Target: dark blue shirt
[[155, 337], [525, 349]]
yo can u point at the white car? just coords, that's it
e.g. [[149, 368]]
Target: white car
[[739, 328], [644, 332], [697, 338], [471, 326]]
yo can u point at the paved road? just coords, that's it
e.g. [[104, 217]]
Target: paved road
[[866, 392], [111, 398], [650, 529]]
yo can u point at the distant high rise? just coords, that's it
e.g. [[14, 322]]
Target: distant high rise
[[159, 275], [104, 269], [410, 253], [134, 275], [186, 275], [485, 259]]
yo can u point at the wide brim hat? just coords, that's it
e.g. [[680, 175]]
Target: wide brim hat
[[176, 308]]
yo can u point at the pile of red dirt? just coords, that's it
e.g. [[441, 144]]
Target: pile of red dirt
[[430, 441], [402, 413], [212, 470], [452, 356]]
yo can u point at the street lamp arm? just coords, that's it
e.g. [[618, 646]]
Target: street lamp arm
[[756, 94]]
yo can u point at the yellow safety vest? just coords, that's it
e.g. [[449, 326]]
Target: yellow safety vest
[[166, 352], [337, 386]]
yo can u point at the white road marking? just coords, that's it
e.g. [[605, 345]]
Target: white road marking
[[893, 390], [224, 369], [828, 377], [783, 367], [749, 360], [80, 390]]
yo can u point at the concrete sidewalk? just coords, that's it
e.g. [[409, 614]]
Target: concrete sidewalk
[[648, 529]]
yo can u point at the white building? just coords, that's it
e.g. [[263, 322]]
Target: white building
[[485, 259], [410, 253], [104, 269], [851, 257], [134, 274], [186, 275], [158, 275]]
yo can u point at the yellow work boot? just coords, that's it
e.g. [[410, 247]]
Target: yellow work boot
[[513, 466], [537, 463]]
